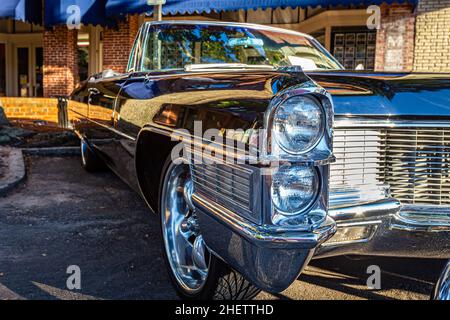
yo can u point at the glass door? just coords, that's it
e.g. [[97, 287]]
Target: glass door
[[30, 75], [23, 72]]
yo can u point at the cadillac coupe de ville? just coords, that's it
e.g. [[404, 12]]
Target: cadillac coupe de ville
[[325, 161]]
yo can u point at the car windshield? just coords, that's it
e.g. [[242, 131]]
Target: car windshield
[[201, 46]]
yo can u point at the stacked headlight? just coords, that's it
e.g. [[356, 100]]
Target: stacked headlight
[[298, 124], [294, 188], [300, 137]]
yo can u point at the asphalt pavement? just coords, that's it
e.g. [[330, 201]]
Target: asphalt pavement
[[62, 216]]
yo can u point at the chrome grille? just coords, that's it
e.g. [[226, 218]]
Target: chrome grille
[[414, 162], [229, 185]]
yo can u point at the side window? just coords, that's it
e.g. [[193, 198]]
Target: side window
[[164, 50]]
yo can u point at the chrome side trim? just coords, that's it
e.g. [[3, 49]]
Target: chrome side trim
[[115, 131], [223, 151]]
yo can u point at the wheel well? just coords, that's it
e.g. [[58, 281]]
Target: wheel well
[[152, 151]]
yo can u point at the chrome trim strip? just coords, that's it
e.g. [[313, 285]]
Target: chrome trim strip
[[241, 156], [124, 135], [359, 223], [363, 123]]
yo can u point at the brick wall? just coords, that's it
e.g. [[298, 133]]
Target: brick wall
[[117, 44], [30, 109], [432, 43], [60, 61], [42, 109], [395, 38]]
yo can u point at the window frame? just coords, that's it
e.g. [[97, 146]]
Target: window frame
[[135, 59]]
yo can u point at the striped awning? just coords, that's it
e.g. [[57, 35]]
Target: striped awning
[[122, 7]]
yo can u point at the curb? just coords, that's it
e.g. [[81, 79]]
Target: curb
[[15, 170], [53, 151]]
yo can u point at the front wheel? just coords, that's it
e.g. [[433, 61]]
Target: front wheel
[[194, 271]]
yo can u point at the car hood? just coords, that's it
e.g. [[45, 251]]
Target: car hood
[[384, 94]]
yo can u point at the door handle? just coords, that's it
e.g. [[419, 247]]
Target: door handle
[[93, 91]]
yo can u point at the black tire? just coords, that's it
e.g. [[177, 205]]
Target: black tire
[[231, 285], [89, 160], [222, 282]]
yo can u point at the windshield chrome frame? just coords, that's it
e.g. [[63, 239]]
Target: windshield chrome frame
[[147, 25]]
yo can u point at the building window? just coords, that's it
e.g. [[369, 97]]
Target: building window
[[354, 49], [319, 36]]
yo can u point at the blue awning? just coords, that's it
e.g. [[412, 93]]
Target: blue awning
[[59, 12], [122, 7], [25, 10], [104, 12]]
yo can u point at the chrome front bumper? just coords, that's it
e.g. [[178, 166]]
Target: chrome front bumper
[[236, 224], [386, 228], [271, 261]]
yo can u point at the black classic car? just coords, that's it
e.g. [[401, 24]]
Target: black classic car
[[259, 152]]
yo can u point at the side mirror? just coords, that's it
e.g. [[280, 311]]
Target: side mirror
[[108, 73]]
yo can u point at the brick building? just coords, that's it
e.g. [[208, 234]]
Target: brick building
[[51, 60], [432, 37]]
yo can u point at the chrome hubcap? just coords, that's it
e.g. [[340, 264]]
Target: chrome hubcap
[[442, 291], [185, 248]]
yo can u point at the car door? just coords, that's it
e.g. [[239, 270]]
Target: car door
[[135, 107], [126, 116], [101, 103]]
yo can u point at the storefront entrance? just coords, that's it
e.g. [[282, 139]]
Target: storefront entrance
[[29, 71]]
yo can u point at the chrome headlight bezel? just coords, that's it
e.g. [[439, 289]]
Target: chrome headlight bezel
[[320, 153], [307, 204], [308, 217], [314, 141]]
